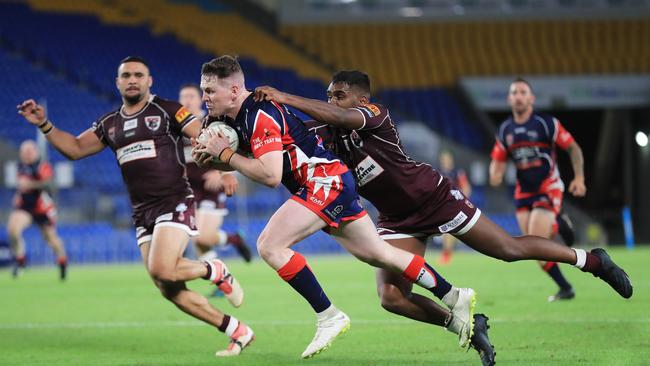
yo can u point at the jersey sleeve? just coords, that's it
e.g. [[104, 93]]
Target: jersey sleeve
[[98, 130], [373, 115], [180, 117], [266, 130], [499, 152], [563, 138]]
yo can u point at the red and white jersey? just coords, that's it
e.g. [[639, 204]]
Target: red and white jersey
[[531, 145]]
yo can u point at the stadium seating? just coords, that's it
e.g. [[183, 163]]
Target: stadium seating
[[418, 55]]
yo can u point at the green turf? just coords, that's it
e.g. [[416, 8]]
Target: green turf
[[112, 315]]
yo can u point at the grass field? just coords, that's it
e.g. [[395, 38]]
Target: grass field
[[112, 315]]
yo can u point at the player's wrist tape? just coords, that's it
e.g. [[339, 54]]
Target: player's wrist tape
[[46, 127], [226, 154]]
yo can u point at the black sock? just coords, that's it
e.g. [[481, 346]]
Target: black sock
[[209, 274], [558, 277]]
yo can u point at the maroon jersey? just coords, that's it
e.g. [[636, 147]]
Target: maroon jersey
[[393, 182], [149, 150]]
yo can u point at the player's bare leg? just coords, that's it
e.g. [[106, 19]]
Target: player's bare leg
[[54, 241], [396, 294], [162, 257], [210, 235], [273, 246], [360, 238], [448, 243], [166, 264], [16, 224], [541, 224], [490, 239]]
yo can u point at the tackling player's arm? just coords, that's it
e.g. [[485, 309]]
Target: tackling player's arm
[[321, 111], [74, 148]]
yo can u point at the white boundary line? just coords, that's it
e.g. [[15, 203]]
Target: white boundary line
[[195, 323]]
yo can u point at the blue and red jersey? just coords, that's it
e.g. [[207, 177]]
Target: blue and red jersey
[[531, 145], [312, 173]]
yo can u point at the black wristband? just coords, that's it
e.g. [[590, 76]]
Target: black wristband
[[44, 123]]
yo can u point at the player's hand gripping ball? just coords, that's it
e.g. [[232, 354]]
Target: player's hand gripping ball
[[224, 130]]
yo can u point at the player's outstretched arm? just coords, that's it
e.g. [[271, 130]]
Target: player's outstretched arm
[[577, 186], [497, 170], [321, 111], [74, 148]]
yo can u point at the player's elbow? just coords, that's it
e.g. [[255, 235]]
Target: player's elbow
[[272, 181]]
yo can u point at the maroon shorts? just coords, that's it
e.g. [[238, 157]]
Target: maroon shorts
[[210, 201], [448, 211], [175, 212]]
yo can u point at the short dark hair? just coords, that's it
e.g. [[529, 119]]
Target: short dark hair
[[222, 66], [353, 78], [135, 59], [191, 86], [519, 79]]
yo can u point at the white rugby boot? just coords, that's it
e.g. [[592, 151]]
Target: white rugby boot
[[331, 323], [462, 310]]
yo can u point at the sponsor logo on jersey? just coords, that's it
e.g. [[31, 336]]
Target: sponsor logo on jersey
[[532, 135], [136, 151], [458, 195], [469, 204], [182, 114], [451, 225], [130, 124], [374, 109], [367, 170], [152, 122]]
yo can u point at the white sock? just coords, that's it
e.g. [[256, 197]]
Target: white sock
[[232, 326], [451, 297], [581, 257], [223, 238], [327, 313], [208, 256]]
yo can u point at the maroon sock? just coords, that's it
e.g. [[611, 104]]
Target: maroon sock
[[234, 239], [592, 264], [224, 323], [20, 261]]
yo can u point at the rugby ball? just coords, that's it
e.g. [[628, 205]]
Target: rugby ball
[[225, 130]]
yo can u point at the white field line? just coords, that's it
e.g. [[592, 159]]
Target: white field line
[[195, 323]]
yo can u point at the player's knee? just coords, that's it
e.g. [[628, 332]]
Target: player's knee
[[162, 274], [391, 298], [265, 248], [14, 233], [204, 242]]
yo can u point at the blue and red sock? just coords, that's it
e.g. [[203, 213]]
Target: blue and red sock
[[298, 274]]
